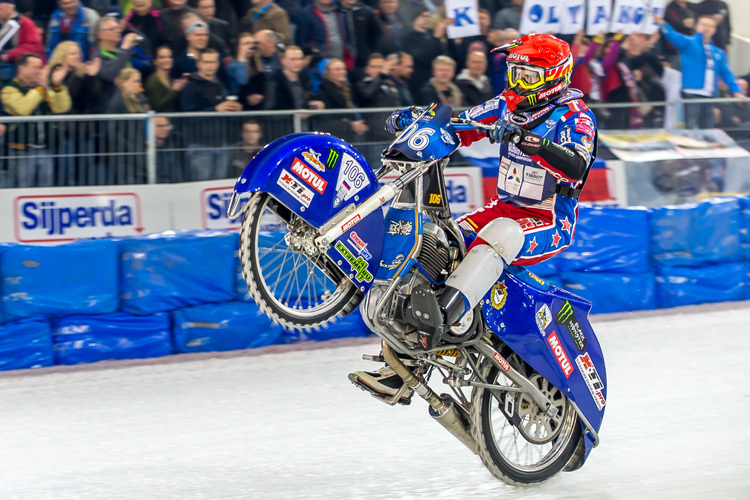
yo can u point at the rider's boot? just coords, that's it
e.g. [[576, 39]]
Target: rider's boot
[[383, 384], [497, 243]]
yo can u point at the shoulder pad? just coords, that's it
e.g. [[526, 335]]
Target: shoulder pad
[[570, 95]]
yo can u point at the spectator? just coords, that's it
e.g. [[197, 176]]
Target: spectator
[[335, 93], [620, 85], [392, 25], [718, 10], [322, 29], [143, 57], [583, 51], [196, 34], [242, 152], [33, 92], [509, 17], [18, 35], [239, 67], [74, 22], [473, 82], [441, 88], [681, 16], [171, 19], [145, 19], [266, 59], [498, 69], [204, 92], [127, 136], [606, 57], [377, 90], [170, 152], [288, 87], [460, 48], [227, 11], [84, 87], [214, 41], [114, 58], [315, 66], [362, 30], [266, 15], [207, 10], [162, 91], [401, 68], [702, 65], [424, 47]]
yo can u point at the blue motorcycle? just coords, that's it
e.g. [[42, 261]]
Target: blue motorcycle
[[321, 236]]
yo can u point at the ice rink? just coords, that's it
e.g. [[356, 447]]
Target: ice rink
[[289, 425]]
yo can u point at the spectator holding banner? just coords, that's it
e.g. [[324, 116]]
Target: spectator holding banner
[[18, 35], [72, 21], [680, 15], [35, 91], [702, 64]]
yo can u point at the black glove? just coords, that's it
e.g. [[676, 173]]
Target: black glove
[[504, 132]]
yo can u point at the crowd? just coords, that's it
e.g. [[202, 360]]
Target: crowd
[[225, 56]]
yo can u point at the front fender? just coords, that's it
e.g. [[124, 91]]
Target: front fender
[[313, 174]]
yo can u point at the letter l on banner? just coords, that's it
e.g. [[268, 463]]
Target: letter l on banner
[[541, 16]]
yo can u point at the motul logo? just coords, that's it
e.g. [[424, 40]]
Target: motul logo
[[553, 90], [562, 358], [348, 224], [501, 361], [310, 177]]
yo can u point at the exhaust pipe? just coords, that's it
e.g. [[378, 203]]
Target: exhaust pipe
[[442, 408]]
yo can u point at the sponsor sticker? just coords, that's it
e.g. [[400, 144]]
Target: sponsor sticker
[[586, 141], [359, 246], [214, 205], [67, 217], [313, 158], [358, 264], [348, 224], [592, 379], [501, 361], [584, 125], [400, 228], [435, 199], [566, 317], [518, 57], [543, 318], [333, 158], [560, 354], [291, 185], [306, 174], [446, 137], [499, 294]]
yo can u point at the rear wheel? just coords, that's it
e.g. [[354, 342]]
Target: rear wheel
[[517, 442], [290, 279]]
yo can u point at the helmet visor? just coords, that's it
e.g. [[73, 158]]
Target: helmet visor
[[525, 76]]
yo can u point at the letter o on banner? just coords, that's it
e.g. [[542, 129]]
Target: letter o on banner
[[535, 13]]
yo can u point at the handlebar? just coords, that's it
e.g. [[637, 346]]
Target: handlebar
[[467, 124]]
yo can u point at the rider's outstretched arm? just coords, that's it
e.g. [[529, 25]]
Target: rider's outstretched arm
[[565, 163]]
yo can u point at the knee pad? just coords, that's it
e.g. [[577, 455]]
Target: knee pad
[[497, 244]]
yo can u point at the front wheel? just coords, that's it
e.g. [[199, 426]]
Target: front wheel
[[517, 442], [290, 279]]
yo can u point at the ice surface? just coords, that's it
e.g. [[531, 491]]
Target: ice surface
[[291, 426]]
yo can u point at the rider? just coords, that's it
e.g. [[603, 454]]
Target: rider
[[547, 137]]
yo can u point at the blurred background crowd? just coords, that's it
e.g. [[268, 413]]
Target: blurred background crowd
[[226, 56]]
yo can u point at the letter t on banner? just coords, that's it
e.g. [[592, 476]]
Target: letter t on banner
[[465, 15]]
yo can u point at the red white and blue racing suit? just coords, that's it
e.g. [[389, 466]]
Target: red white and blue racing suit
[[540, 178]]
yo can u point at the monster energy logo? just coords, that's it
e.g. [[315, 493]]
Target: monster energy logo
[[333, 157], [358, 263], [566, 317], [532, 99]]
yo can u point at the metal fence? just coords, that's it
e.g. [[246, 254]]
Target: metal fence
[[68, 150]]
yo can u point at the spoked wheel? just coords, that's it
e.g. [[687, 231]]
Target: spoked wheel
[[518, 442], [290, 279]]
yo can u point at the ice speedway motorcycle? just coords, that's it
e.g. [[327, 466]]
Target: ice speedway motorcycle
[[321, 236]]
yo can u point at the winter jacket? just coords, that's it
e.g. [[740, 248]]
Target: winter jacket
[[430, 94], [363, 32], [19, 100], [112, 64], [313, 33], [475, 92], [151, 25], [203, 95], [82, 31], [423, 47], [26, 39], [335, 124], [271, 17], [693, 61], [161, 98]]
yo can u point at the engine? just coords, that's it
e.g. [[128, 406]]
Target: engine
[[435, 255]]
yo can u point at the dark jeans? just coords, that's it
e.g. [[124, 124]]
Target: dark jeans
[[697, 114]]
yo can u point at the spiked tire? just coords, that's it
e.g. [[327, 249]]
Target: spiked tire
[[341, 301]]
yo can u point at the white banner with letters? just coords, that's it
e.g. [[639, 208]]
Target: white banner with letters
[[631, 16], [598, 15], [60, 215], [465, 15]]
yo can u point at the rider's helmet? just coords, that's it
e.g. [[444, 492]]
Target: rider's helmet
[[539, 70]]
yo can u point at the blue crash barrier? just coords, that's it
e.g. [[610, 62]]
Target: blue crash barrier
[[77, 278], [167, 271], [86, 339], [613, 292], [612, 240], [348, 326], [222, 327], [697, 233], [26, 343], [681, 286], [745, 226]]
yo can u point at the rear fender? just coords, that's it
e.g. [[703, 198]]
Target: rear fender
[[548, 327], [313, 174]]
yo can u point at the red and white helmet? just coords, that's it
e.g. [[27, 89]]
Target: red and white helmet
[[539, 70]]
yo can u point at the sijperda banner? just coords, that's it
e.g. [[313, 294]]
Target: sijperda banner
[[570, 16]]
